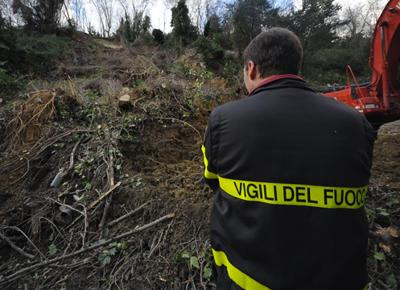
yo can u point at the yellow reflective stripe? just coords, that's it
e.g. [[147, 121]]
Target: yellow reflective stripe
[[207, 174], [237, 276], [295, 194], [240, 278]]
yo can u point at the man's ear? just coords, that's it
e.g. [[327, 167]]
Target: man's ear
[[251, 70]]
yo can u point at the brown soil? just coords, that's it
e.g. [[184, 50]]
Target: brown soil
[[386, 169]]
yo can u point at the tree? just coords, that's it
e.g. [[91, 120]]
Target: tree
[[158, 36], [136, 22], [213, 26], [316, 23], [130, 30], [78, 13], [2, 21], [248, 17], [105, 10], [360, 20], [6, 12], [40, 15], [183, 30], [168, 5], [133, 7]]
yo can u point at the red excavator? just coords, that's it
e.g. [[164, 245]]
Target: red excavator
[[379, 100]]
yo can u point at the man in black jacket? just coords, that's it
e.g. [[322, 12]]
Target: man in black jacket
[[290, 170]]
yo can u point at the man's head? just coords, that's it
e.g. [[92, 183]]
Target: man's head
[[274, 51]]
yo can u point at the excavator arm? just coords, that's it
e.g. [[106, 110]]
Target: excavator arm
[[379, 100], [385, 54]]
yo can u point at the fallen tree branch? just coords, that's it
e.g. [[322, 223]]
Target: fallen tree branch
[[110, 178], [15, 247], [61, 174], [84, 250], [65, 205], [72, 156], [26, 237], [107, 193], [129, 214]]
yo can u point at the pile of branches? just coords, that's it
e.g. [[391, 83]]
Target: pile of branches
[[102, 196], [60, 175], [82, 174]]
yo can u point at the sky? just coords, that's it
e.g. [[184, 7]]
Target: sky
[[161, 15]]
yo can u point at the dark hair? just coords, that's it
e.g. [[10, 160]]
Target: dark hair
[[275, 51]]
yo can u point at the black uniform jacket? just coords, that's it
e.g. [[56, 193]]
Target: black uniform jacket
[[290, 169]]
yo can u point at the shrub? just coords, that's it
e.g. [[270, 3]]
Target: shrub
[[212, 52], [158, 36], [328, 65], [9, 86], [36, 53], [182, 28]]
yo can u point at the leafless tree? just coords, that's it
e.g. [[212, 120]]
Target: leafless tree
[[105, 11], [361, 19], [77, 13], [201, 10], [134, 7], [6, 11], [39, 15], [135, 11]]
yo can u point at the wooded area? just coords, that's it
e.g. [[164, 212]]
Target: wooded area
[[332, 37]]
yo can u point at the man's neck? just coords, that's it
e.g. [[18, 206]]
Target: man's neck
[[265, 81]]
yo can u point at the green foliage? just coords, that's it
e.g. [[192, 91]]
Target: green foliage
[[38, 53], [158, 36], [193, 72], [248, 17], [9, 85], [39, 15], [105, 256], [92, 95], [212, 52], [379, 256], [315, 23], [328, 65], [211, 44], [35, 53], [198, 262], [213, 26], [145, 24], [183, 30], [71, 27], [132, 29], [232, 71], [53, 249]]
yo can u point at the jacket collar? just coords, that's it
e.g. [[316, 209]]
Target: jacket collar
[[280, 81]]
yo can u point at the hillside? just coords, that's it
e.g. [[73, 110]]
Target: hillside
[[101, 174]]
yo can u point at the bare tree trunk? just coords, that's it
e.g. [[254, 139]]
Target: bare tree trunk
[[78, 13], [105, 11]]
